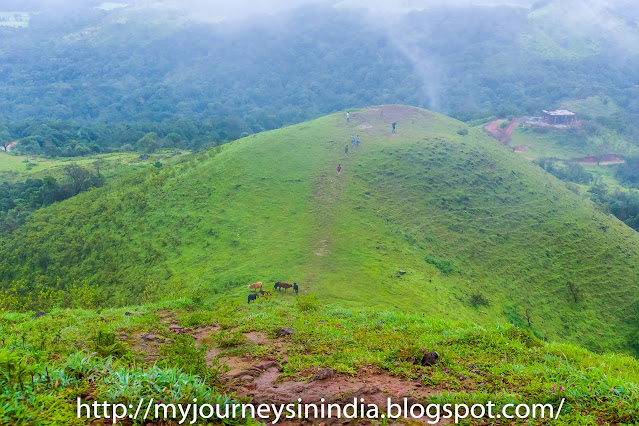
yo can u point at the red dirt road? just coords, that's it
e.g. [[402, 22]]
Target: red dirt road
[[502, 135]]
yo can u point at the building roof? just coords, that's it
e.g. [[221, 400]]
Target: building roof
[[558, 112]]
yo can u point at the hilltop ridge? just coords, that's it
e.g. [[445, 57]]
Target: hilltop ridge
[[437, 218]]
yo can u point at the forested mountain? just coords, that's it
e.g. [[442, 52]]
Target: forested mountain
[[211, 82]]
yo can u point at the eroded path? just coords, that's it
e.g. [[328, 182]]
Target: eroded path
[[502, 135], [261, 379]]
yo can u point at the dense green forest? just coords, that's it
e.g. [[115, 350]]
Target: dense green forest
[[109, 78], [58, 138], [19, 199]]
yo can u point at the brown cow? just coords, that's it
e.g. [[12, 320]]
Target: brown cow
[[255, 286], [283, 285]]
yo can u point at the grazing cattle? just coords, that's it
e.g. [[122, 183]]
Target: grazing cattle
[[283, 285], [265, 293], [295, 287], [252, 297], [255, 286]]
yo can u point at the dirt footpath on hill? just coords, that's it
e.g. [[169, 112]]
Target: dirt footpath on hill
[[386, 115], [260, 378], [502, 135]]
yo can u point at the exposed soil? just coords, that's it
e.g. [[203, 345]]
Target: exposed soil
[[389, 113], [261, 382], [202, 332], [493, 128], [386, 115], [604, 160], [322, 249], [502, 135], [319, 187], [260, 378], [146, 345], [521, 148]]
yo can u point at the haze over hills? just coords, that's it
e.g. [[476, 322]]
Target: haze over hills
[[479, 233], [162, 155], [151, 63]]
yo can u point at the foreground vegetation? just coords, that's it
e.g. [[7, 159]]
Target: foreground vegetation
[[49, 361]]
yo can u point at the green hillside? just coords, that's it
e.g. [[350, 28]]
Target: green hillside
[[481, 234], [17, 168]]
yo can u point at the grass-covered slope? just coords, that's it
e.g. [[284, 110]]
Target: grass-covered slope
[[19, 168], [481, 234]]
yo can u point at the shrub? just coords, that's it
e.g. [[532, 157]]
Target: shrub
[[307, 302], [229, 339], [183, 354], [478, 299], [198, 318], [445, 266], [106, 343]]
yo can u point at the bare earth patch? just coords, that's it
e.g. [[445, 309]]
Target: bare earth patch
[[322, 250], [383, 116], [261, 380], [502, 135], [604, 160]]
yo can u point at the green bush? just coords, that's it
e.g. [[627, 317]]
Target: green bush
[[445, 266], [183, 354], [307, 302], [229, 339]]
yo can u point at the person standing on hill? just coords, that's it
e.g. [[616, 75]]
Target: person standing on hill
[[346, 150], [352, 140], [348, 117], [357, 140], [394, 124], [339, 169]]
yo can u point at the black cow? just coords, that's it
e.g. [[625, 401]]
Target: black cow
[[252, 297]]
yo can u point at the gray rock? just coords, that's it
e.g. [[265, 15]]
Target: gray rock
[[284, 331], [323, 374]]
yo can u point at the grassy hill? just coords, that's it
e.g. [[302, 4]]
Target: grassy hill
[[18, 168], [480, 234]]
